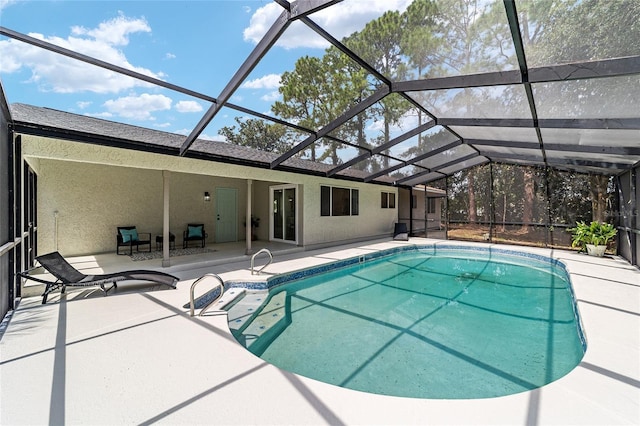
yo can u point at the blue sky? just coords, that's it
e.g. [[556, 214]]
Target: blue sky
[[195, 44]]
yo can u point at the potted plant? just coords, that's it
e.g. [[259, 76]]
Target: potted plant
[[255, 223], [593, 237]]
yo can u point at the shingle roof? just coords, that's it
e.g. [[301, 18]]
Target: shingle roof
[[66, 125]]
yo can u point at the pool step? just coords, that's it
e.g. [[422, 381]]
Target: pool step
[[254, 323], [242, 311]]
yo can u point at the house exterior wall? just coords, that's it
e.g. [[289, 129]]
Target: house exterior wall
[[372, 220], [94, 189], [418, 213]]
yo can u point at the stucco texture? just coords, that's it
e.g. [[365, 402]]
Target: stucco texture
[[94, 189]]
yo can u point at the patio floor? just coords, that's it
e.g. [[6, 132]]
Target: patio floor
[[136, 357]]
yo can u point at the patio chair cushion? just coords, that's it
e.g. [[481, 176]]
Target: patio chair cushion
[[194, 231], [129, 235]]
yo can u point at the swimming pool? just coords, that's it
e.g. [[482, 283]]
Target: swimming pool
[[424, 322]]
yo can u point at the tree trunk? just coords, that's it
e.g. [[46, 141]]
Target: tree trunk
[[504, 212], [473, 216], [598, 192], [529, 194]]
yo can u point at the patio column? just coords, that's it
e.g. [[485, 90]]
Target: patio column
[[166, 180], [248, 220]]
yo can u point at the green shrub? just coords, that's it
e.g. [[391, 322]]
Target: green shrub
[[596, 233]]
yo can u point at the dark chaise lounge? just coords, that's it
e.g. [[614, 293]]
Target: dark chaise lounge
[[67, 275], [400, 232]]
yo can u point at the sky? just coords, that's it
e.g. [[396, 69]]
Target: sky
[[198, 45]]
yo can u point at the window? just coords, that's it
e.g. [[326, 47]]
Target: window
[[387, 200], [325, 201], [414, 201], [336, 201], [431, 205]]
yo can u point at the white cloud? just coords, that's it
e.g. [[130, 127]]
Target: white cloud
[[7, 3], [246, 9], [114, 32], [99, 114], [169, 56], [204, 136], [339, 20], [138, 107], [217, 138], [83, 104], [188, 106], [162, 125], [57, 73], [269, 81], [271, 96]]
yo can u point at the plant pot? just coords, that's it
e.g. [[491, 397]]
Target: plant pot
[[593, 250]]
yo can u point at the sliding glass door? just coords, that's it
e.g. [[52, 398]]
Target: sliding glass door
[[284, 211]]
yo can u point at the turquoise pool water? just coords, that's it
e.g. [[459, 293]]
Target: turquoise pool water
[[454, 324]]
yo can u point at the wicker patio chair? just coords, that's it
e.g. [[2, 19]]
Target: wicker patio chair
[[67, 275]]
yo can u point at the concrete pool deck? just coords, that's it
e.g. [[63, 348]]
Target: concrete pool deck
[[136, 357]]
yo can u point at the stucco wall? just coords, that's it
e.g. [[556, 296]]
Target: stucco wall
[[418, 211], [94, 189], [372, 220], [91, 200], [187, 203]]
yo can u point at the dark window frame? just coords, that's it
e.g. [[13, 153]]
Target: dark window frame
[[431, 205], [339, 201], [387, 200]]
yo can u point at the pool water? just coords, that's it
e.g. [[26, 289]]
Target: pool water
[[456, 324]]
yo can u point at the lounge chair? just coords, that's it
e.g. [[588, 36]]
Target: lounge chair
[[400, 232], [67, 275]]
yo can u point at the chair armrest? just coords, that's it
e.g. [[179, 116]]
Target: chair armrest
[[120, 242], [27, 276]]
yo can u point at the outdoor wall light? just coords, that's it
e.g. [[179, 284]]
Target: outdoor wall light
[[207, 197]]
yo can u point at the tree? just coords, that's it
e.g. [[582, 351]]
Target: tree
[[317, 92], [259, 134], [459, 53], [556, 32], [303, 90], [379, 45]]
